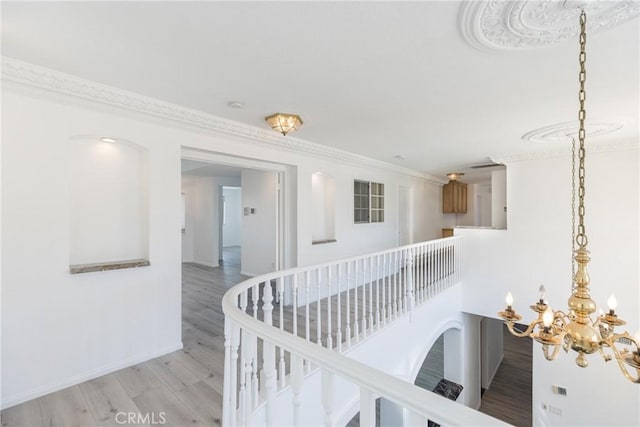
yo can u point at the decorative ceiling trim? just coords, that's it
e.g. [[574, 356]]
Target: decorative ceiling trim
[[44, 78], [564, 132], [529, 24], [565, 150]]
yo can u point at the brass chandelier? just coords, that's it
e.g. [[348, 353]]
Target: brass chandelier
[[576, 330]]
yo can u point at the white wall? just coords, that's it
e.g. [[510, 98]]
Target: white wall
[[483, 205], [469, 218], [499, 199], [536, 250], [323, 190], [231, 228], [108, 201], [492, 347], [200, 240], [59, 329], [94, 323], [259, 192]]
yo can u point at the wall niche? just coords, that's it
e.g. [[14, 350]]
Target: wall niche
[[109, 202], [323, 189]]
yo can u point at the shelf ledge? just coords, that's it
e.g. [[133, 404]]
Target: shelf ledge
[[322, 242], [104, 266]]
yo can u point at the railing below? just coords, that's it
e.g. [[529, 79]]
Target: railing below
[[302, 319]]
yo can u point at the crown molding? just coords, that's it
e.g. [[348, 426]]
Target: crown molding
[[44, 78], [529, 24], [565, 150], [564, 132]]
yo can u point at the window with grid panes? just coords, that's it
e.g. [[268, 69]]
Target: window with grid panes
[[368, 202]]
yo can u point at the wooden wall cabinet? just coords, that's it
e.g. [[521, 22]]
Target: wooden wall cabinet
[[454, 197]]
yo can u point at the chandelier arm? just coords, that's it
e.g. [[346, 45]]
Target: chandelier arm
[[526, 332], [619, 356], [561, 317], [554, 355]]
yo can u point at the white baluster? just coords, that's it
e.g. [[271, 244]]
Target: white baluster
[[268, 354], [364, 299], [329, 293], [294, 292], [297, 376], [367, 408], [319, 313], [440, 267], [339, 307], [281, 365], [412, 277], [269, 369], [385, 287], [247, 348], [233, 377], [356, 314], [348, 326], [255, 381], [377, 318], [328, 396], [371, 275], [244, 344], [405, 281], [226, 384], [395, 284], [421, 270], [307, 318]]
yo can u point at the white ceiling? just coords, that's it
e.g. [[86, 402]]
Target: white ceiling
[[375, 78], [193, 167]]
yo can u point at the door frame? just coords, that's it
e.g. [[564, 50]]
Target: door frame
[[285, 233]]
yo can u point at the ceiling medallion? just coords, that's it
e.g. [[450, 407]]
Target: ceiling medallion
[[510, 25], [564, 132]]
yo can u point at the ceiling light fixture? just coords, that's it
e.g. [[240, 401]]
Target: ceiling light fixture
[[576, 330], [236, 104], [284, 123], [107, 139], [454, 176]]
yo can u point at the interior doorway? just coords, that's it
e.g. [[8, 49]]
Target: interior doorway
[[230, 225], [237, 206]]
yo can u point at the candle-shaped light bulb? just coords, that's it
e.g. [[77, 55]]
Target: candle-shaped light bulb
[[542, 292], [612, 302], [547, 317], [509, 300]]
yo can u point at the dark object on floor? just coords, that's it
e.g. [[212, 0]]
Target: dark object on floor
[[448, 389]]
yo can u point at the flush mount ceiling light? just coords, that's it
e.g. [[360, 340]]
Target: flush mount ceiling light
[[576, 330], [454, 176], [284, 123], [107, 139], [236, 104]]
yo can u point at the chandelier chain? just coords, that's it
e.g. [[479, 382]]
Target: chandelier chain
[[581, 238], [573, 210]]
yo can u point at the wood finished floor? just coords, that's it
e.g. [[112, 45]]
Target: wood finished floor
[[185, 385], [509, 396]]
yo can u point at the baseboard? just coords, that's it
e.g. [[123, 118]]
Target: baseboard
[[495, 371], [85, 376], [206, 264], [246, 273]]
